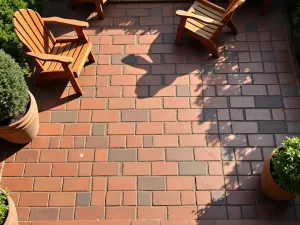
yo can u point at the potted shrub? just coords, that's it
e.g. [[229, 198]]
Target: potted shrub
[[8, 212], [281, 173], [19, 121]]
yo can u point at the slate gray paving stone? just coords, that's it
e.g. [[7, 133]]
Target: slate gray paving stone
[[99, 129], [147, 141], [122, 155], [179, 154], [236, 114], [182, 91], [144, 198], [293, 127], [192, 168], [169, 38], [156, 12], [135, 116], [48, 214], [64, 117], [152, 183], [83, 199], [269, 127], [210, 114], [289, 90], [268, 101]]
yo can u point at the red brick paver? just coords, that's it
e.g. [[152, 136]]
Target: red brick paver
[[163, 134]]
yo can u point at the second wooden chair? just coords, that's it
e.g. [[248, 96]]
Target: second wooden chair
[[205, 21]]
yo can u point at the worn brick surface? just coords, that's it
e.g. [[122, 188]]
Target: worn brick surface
[[164, 134]]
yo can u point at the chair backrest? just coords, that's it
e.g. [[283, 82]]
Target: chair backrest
[[33, 32], [233, 5]]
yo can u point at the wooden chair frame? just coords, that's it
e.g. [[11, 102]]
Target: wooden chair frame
[[47, 56], [208, 42], [98, 4]]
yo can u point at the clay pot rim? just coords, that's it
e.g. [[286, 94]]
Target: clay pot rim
[[23, 118], [9, 203]]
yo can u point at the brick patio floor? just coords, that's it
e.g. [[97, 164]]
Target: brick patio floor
[[163, 134]]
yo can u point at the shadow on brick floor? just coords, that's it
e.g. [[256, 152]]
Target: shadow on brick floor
[[243, 198]]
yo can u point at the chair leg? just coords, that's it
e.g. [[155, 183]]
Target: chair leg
[[212, 48], [91, 58], [99, 9], [180, 32], [72, 79], [232, 27]]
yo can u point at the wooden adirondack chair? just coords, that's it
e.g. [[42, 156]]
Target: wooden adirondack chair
[[205, 21], [55, 57], [98, 4]]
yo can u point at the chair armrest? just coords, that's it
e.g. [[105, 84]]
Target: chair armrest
[[212, 5], [50, 57], [202, 19], [58, 20]]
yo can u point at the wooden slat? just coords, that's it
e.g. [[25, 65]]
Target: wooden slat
[[43, 29], [206, 27], [65, 53], [41, 36], [213, 6], [29, 26], [217, 13], [29, 36], [200, 11], [59, 52], [72, 50], [27, 42], [54, 52], [81, 60], [196, 29], [76, 56]]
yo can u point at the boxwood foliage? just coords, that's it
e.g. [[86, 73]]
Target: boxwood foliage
[[286, 165], [8, 39], [13, 89], [3, 206]]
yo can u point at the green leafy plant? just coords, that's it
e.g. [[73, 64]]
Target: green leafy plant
[[3, 206], [13, 89], [8, 39], [286, 165]]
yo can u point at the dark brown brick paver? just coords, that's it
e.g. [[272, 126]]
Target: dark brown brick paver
[[163, 134]]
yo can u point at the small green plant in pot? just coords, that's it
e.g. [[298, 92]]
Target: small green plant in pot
[[3, 206], [8, 212], [281, 173], [19, 121]]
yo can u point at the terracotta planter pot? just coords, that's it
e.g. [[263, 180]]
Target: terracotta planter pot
[[269, 185], [12, 217], [25, 129]]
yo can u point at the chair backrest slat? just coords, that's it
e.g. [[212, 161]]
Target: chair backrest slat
[[30, 26], [41, 26]]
